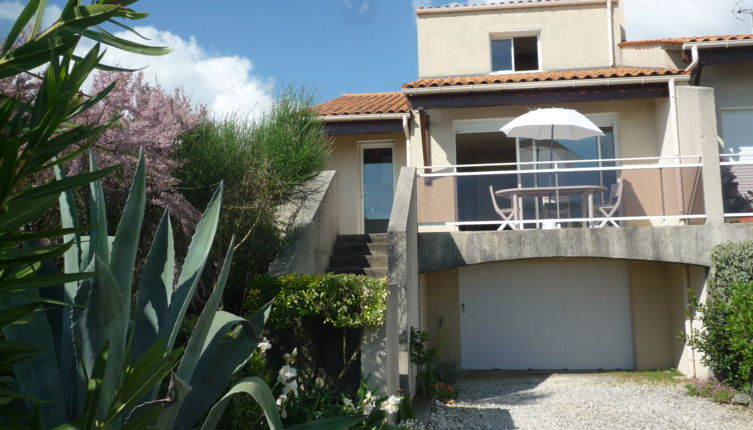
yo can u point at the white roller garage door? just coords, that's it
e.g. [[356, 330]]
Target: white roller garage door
[[546, 315]]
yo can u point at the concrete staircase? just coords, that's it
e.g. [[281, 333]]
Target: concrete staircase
[[362, 254]]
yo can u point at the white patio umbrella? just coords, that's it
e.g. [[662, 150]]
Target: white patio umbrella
[[552, 123]]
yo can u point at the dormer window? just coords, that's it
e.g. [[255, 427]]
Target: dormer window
[[515, 53]]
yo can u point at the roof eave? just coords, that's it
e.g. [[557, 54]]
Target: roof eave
[[573, 83], [364, 117]]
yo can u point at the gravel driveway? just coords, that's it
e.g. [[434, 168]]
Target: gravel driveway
[[531, 400]]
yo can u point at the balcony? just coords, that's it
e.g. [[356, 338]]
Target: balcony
[[647, 191]]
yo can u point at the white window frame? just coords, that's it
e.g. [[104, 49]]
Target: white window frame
[[373, 144], [511, 35]]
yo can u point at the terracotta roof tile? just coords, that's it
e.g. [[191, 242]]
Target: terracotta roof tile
[[683, 40], [363, 104], [614, 72]]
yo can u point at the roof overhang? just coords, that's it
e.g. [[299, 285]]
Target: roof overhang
[[542, 92], [338, 125], [541, 85]]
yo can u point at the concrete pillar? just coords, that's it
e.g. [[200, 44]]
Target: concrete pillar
[[696, 112], [379, 351], [402, 262]]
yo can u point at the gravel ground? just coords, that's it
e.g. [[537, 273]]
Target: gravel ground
[[528, 400]]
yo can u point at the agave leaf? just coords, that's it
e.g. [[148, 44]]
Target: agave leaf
[[254, 387], [97, 213], [228, 351], [70, 375], [201, 329], [98, 320], [145, 374], [176, 393], [126, 244], [38, 376], [193, 265], [155, 288]]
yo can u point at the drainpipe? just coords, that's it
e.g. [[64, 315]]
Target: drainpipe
[[694, 55], [406, 130], [673, 116], [610, 30]]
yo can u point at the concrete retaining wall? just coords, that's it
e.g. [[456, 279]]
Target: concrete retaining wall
[[314, 233]]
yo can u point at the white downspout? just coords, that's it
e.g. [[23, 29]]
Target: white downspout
[[694, 55], [610, 30], [673, 118], [406, 130]]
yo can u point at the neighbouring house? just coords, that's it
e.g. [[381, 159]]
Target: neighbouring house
[[535, 254]]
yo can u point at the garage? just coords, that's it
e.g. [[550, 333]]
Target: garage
[[550, 314]]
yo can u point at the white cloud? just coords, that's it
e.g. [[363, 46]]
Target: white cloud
[[225, 84], [357, 6], [10, 10]]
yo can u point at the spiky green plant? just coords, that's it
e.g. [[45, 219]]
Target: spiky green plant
[[101, 366]]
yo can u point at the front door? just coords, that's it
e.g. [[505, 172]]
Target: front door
[[377, 186]]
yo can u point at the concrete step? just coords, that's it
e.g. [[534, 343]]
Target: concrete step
[[362, 238], [373, 272], [376, 260], [349, 249]]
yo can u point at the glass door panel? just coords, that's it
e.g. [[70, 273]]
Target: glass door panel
[[378, 186]]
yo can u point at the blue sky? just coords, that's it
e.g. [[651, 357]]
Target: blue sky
[[236, 55]]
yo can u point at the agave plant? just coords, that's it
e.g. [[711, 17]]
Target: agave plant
[[102, 363]]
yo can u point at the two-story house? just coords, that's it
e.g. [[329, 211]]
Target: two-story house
[[518, 253]]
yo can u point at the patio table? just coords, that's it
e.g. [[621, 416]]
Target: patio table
[[586, 193]]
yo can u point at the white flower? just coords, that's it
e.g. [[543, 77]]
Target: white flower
[[391, 405], [264, 345], [347, 402], [291, 386], [320, 382], [367, 408], [286, 373], [369, 397], [282, 399]]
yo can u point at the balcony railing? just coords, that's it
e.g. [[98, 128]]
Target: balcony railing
[[562, 194], [737, 186]]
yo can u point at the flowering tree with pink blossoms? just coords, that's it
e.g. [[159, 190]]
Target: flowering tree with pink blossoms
[[149, 117], [152, 119]]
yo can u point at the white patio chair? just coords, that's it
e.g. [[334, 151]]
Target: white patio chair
[[610, 209], [507, 214]]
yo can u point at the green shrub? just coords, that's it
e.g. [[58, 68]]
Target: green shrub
[[266, 165], [727, 316]]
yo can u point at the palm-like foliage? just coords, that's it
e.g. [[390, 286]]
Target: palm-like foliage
[[33, 135]]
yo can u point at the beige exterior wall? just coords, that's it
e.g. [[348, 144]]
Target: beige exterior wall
[[440, 312], [458, 43], [346, 160], [658, 304], [650, 56]]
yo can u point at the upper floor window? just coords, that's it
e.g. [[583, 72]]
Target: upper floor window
[[515, 54]]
